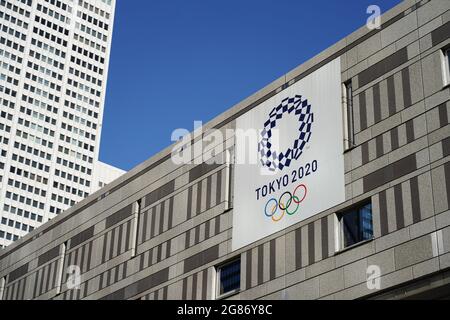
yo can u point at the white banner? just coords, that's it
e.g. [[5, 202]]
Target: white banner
[[299, 167]]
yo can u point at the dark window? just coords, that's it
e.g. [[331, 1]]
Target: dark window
[[356, 225], [229, 278]]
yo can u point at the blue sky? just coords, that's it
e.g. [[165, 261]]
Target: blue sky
[[176, 61]]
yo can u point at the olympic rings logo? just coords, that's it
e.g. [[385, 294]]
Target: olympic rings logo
[[277, 209]]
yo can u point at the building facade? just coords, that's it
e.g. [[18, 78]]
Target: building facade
[[178, 231], [54, 58]]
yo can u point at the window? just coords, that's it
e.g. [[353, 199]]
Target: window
[[59, 270], [2, 287], [228, 279], [356, 225], [347, 103], [446, 66]]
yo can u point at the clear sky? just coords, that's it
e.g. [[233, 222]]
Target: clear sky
[[177, 61]]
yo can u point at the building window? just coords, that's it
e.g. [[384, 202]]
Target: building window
[[60, 267], [446, 66], [355, 225], [347, 103], [228, 279], [2, 287]]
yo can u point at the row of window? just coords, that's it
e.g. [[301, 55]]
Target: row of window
[[13, 32], [51, 25], [40, 92], [8, 91], [63, 200], [44, 70], [82, 98], [8, 236], [86, 65], [75, 154], [73, 178], [23, 213], [84, 87], [25, 200], [9, 67], [88, 54], [92, 20], [4, 127], [6, 115], [43, 81], [36, 127], [72, 165], [11, 44], [8, 79], [85, 76], [79, 120], [355, 226], [38, 115], [77, 131], [60, 4], [40, 104], [83, 110], [76, 142], [26, 187], [14, 224], [10, 56], [92, 32], [69, 189], [55, 210], [89, 42], [53, 13], [5, 141], [7, 103], [50, 36], [47, 60], [33, 151], [30, 163], [35, 139], [94, 9]]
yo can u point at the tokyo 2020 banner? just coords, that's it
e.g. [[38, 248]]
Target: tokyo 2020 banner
[[292, 167]]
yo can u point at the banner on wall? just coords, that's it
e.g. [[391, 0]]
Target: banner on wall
[[298, 167]]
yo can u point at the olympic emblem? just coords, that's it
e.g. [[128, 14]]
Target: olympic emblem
[[275, 159], [289, 203]]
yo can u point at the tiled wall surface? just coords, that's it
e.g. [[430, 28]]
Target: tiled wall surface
[[160, 230]]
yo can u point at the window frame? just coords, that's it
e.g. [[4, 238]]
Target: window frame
[[218, 270], [347, 115], [340, 236]]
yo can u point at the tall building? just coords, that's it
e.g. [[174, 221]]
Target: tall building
[[54, 58], [104, 174], [354, 202]]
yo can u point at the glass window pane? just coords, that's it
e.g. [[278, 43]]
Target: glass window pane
[[357, 225]]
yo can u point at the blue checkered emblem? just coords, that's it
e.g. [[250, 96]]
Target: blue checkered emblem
[[273, 159]]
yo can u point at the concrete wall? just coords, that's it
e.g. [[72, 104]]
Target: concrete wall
[[159, 231]]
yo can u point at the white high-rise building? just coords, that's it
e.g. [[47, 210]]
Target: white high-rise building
[[54, 57]]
